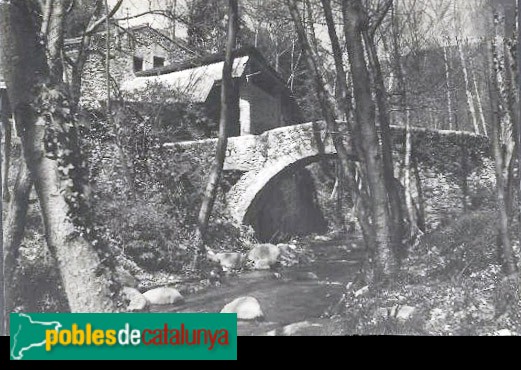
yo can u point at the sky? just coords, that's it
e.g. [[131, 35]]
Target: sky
[[470, 13], [135, 7]]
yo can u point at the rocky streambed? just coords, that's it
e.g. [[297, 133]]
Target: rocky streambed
[[277, 300]]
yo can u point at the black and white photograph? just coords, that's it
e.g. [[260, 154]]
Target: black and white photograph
[[317, 167]]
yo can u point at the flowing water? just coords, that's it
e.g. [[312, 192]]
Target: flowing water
[[292, 295]]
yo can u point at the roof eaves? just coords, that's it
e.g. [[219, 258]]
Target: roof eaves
[[211, 59]]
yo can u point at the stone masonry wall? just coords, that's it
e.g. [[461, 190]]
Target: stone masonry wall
[[445, 159], [142, 42]]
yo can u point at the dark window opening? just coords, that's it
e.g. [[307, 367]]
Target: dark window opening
[[159, 62], [138, 64]]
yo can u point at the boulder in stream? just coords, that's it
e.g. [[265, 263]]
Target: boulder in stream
[[246, 308], [229, 261], [264, 256], [304, 328], [164, 296], [138, 302]]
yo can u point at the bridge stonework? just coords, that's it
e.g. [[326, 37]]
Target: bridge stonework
[[264, 158]]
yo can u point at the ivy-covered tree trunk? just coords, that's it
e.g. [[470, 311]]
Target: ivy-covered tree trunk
[[34, 83]]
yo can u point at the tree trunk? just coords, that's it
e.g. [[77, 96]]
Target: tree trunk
[[448, 87], [519, 106], [228, 100], [3, 306], [328, 112], [31, 82], [311, 25], [508, 256], [345, 108], [342, 92], [173, 21], [386, 139], [421, 199], [414, 231], [6, 163], [478, 98], [15, 228], [512, 102], [468, 91], [115, 124], [385, 262], [409, 201]]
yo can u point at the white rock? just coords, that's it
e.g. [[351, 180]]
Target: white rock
[[293, 329], [503, 333], [138, 302], [402, 313], [230, 261], [264, 256], [312, 276], [286, 248], [362, 292], [164, 296], [212, 256], [307, 276], [405, 312], [246, 308]]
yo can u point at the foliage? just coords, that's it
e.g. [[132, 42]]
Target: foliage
[[37, 281], [454, 281], [153, 219], [79, 17], [62, 144], [206, 25]]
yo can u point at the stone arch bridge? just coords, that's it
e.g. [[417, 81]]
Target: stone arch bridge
[[261, 159]]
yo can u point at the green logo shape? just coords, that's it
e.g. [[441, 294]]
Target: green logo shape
[[124, 336]]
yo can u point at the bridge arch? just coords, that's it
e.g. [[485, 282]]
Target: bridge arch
[[264, 159], [243, 198]]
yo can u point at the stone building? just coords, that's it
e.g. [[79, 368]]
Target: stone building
[[132, 50], [141, 55], [263, 101]]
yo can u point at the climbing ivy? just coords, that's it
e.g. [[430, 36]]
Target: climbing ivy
[[62, 144]]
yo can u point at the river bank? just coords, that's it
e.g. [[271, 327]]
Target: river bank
[[451, 284]]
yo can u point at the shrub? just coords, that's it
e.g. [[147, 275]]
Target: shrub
[[147, 197]]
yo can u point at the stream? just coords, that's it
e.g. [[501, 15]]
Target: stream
[[292, 295]]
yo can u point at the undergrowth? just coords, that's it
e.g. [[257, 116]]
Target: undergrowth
[[452, 284]]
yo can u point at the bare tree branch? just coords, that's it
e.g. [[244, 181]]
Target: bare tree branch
[[94, 27]]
